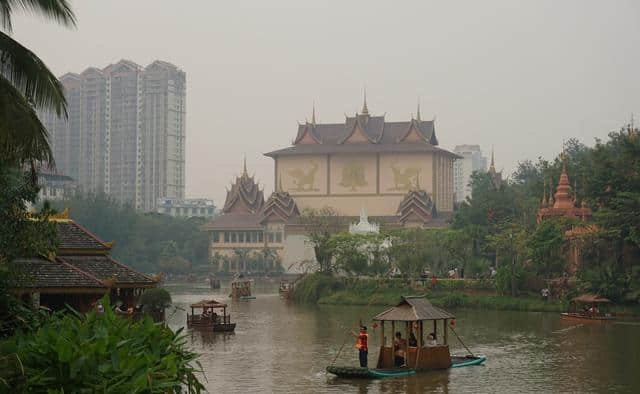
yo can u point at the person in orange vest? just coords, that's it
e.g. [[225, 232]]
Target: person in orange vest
[[362, 340]]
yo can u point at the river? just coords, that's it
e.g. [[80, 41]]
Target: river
[[284, 348]]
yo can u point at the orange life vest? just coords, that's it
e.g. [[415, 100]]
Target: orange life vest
[[361, 343]]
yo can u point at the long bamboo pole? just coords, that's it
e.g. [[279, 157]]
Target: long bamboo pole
[[459, 339]]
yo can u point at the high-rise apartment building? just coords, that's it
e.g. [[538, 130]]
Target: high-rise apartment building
[[472, 160], [125, 134]]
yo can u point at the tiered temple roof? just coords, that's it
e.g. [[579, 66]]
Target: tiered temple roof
[[563, 204], [279, 207], [244, 196], [416, 207], [81, 264], [364, 133]]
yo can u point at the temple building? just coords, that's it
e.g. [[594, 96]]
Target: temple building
[[564, 205], [365, 160], [249, 225], [394, 171]]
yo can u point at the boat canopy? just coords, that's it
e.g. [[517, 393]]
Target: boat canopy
[[208, 304], [414, 308], [591, 299]]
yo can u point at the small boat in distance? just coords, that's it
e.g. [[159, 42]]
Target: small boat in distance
[[411, 317], [208, 318], [589, 307], [286, 289], [213, 282], [241, 289]]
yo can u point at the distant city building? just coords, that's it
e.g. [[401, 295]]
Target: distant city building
[[125, 135], [472, 160], [188, 207], [54, 187]]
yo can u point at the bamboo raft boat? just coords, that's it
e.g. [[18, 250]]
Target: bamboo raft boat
[[589, 308], [415, 314], [208, 319]]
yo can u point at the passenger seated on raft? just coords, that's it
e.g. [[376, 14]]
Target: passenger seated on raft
[[413, 341], [400, 345], [431, 340]]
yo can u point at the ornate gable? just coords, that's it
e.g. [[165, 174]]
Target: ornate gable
[[244, 196], [307, 136], [279, 207], [416, 207], [357, 136]]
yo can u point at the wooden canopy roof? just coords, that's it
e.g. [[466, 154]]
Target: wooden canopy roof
[[590, 299], [208, 304], [413, 308]]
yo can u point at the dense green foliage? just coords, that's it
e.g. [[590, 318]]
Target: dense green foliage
[[22, 234], [606, 178], [155, 299], [148, 242], [101, 353]]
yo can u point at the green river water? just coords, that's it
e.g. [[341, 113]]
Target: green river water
[[282, 347]]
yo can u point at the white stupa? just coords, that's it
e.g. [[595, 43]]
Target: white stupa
[[364, 227]]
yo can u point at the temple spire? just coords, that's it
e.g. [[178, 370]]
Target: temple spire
[[418, 114], [492, 166], [244, 170], [313, 114], [365, 110]]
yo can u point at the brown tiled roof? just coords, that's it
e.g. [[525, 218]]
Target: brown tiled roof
[[416, 206], [42, 273], [382, 137], [402, 147], [104, 267], [71, 235], [237, 221], [414, 309], [244, 196], [279, 205]]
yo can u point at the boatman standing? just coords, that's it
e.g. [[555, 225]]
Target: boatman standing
[[362, 340]]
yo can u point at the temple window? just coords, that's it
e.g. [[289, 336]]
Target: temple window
[[260, 236], [215, 236], [226, 237], [233, 237], [241, 237], [279, 237]]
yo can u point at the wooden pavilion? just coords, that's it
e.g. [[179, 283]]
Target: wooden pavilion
[[80, 272], [415, 314]]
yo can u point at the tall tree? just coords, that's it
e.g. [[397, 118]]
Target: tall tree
[[26, 84]]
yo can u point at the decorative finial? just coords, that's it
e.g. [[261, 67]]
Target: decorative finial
[[492, 166], [418, 114], [313, 114], [244, 170], [365, 110], [417, 180]]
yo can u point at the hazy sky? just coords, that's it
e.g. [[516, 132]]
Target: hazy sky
[[521, 76]]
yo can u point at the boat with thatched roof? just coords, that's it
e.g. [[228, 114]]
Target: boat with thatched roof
[[204, 316], [413, 315], [589, 307]]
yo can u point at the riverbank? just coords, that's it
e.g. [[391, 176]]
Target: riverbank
[[472, 294]]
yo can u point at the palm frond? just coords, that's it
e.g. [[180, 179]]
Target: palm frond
[[58, 10], [23, 138], [31, 76]]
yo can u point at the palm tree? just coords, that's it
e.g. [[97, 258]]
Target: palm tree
[[26, 84]]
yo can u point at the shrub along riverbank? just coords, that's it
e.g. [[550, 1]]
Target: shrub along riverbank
[[480, 294]]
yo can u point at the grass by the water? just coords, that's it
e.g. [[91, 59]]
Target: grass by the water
[[323, 289]]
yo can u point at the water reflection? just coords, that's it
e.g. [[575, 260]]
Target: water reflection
[[284, 347]]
